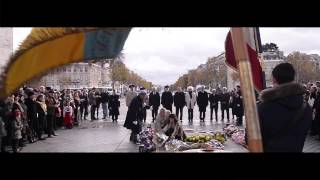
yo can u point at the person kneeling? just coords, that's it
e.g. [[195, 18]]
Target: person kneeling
[[173, 128]]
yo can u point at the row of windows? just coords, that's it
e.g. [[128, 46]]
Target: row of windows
[[69, 70]]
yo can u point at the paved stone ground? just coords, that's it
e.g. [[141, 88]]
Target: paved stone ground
[[106, 136]]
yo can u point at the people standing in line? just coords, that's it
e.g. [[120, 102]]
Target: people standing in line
[[98, 99], [224, 101], [51, 107], [114, 105], [167, 98], [238, 106], [202, 101], [214, 100], [41, 122], [93, 103], [135, 115], [67, 116], [154, 102], [84, 102], [179, 102], [285, 118], [104, 102], [190, 102], [130, 94]]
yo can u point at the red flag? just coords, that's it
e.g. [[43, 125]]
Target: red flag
[[251, 39]]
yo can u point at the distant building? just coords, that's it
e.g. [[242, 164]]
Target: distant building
[[76, 75], [6, 46], [272, 55]]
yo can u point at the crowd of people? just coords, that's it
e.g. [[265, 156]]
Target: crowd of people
[[34, 114], [287, 111]]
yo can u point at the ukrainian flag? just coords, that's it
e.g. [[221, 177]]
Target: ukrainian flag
[[47, 48]]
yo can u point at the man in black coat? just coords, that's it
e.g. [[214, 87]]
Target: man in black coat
[[114, 104], [238, 106], [202, 101], [179, 102], [84, 103], [214, 100], [31, 111], [135, 115], [284, 116], [167, 99], [104, 102], [154, 102], [225, 100]]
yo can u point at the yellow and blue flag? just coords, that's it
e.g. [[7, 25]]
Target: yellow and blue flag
[[47, 48]]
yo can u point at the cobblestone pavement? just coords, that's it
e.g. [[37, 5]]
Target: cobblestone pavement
[[106, 136]]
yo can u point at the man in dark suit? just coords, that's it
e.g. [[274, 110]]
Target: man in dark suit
[[179, 102], [154, 102], [225, 100], [214, 100], [167, 99], [238, 106], [202, 101]]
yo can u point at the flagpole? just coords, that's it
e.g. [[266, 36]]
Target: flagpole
[[247, 90]]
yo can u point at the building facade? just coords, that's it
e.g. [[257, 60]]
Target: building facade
[[6, 46], [75, 75]]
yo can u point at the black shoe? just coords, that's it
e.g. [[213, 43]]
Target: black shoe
[[55, 134], [42, 138], [50, 136]]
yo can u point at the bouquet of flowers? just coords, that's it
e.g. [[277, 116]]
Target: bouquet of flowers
[[176, 145], [230, 129], [145, 138], [239, 137]]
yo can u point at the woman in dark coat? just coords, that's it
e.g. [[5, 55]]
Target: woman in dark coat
[[41, 123], [31, 113], [114, 105], [134, 116], [238, 107]]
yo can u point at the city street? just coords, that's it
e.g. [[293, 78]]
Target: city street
[[106, 136]]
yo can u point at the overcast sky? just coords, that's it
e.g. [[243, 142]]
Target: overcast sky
[[161, 55]]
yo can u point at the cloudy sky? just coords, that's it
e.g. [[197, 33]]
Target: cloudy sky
[[161, 55]]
